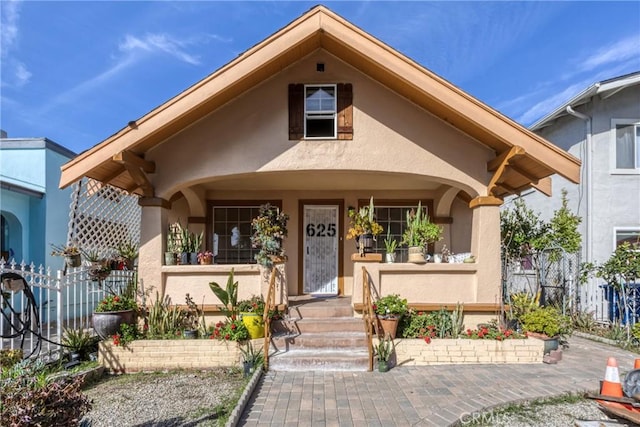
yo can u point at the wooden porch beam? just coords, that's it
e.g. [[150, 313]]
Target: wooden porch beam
[[125, 157], [137, 168], [500, 164]]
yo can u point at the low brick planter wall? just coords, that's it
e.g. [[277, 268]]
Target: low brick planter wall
[[416, 352], [157, 355]]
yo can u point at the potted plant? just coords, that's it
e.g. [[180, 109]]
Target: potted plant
[[548, 324], [252, 315], [128, 253], [98, 267], [390, 246], [251, 358], [205, 258], [172, 245], [71, 253], [363, 227], [269, 231], [111, 312], [190, 318], [419, 233], [78, 342], [389, 310], [383, 351]]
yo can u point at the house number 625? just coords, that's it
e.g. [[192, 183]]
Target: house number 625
[[321, 230]]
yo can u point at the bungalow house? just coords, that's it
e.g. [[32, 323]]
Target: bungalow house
[[318, 118]]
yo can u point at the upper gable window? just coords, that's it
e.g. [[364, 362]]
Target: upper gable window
[[626, 146], [320, 111]]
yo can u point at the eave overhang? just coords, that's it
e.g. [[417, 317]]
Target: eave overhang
[[322, 29]]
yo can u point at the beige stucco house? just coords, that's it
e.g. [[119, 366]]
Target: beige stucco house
[[317, 118]]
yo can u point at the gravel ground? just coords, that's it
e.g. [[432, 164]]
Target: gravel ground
[[162, 399], [189, 399]]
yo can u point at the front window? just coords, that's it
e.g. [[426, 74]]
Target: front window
[[392, 216], [231, 240], [320, 111], [627, 146]]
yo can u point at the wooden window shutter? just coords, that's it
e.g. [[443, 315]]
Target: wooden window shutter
[[345, 111], [296, 111]]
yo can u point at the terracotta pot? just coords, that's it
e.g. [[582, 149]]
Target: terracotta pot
[[389, 326], [206, 260]]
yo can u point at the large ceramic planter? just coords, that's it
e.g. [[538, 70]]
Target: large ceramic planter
[[389, 326], [108, 323], [254, 324]]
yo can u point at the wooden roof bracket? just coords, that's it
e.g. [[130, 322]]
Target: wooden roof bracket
[[137, 168], [499, 165]]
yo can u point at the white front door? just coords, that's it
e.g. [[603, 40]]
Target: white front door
[[320, 246]]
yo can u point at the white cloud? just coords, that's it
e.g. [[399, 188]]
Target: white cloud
[[545, 106], [617, 52], [9, 32], [159, 43], [22, 74]]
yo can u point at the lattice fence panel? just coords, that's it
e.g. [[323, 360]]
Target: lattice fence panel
[[102, 217]]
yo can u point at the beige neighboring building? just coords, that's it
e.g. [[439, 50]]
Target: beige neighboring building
[[317, 118]]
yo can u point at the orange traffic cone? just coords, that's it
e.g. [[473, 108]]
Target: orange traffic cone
[[636, 364], [611, 385]]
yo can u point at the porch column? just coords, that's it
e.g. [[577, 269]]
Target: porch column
[[152, 225], [485, 244]]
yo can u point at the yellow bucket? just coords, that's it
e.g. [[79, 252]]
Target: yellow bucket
[[254, 324]]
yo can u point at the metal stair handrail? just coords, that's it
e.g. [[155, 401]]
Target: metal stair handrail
[[367, 314]]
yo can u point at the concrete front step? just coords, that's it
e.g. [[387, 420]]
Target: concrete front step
[[320, 360], [334, 340], [320, 310], [319, 325]]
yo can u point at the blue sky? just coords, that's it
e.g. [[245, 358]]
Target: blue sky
[[77, 72]]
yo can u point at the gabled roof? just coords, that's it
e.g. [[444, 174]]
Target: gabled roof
[[119, 160], [604, 89]]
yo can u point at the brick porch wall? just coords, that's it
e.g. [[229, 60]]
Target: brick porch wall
[[416, 352], [157, 355]]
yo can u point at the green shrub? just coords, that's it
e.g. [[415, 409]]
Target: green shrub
[[391, 305], [546, 320], [30, 398]]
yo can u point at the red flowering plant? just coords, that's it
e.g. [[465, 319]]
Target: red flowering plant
[[116, 303], [492, 331], [229, 330]]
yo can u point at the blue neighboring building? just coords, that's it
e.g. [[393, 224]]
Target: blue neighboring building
[[34, 211]]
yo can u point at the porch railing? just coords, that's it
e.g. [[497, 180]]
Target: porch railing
[[367, 314]]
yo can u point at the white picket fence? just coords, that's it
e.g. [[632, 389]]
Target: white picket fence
[[60, 300]]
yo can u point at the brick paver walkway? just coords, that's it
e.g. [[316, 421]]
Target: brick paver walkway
[[422, 396]]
